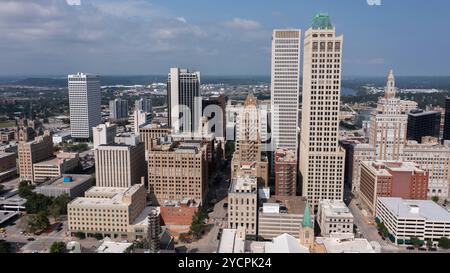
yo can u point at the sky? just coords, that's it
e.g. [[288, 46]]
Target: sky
[[232, 37]]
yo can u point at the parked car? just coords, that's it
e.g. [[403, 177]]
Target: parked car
[[433, 249], [422, 249], [30, 239], [410, 248]]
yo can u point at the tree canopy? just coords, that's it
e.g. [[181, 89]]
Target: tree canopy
[[58, 247]]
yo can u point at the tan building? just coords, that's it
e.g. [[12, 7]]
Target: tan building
[[279, 215], [321, 157], [247, 158], [119, 165], [243, 204], [8, 167], [285, 173], [113, 212], [334, 217], [150, 133], [33, 152], [55, 167], [177, 171]]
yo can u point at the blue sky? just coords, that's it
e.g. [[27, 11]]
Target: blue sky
[[232, 37]]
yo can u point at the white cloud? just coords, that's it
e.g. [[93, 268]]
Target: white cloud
[[181, 19], [242, 24], [73, 2]]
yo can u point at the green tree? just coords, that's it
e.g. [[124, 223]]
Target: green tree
[[38, 222], [80, 235], [444, 243], [229, 149], [5, 247], [98, 236], [198, 223], [435, 199], [416, 242], [2, 187], [25, 189], [58, 247], [383, 229], [37, 202]]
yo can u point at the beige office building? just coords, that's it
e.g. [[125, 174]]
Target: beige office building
[[110, 211], [119, 165], [150, 133], [55, 167], [243, 204], [334, 217], [321, 158], [247, 158], [177, 171], [33, 152], [281, 214]]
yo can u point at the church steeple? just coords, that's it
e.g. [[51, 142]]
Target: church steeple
[[390, 90], [307, 216]]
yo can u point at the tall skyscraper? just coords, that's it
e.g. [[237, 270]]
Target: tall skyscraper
[[85, 105], [118, 109], [144, 104], [388, 125], [321, 158], [447, 119], [247, 157], [285, 88], [183, 100], [423, 123]]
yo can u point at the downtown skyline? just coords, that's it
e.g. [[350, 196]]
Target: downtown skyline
[[147, 37]]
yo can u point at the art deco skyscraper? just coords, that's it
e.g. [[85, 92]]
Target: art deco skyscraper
[[183, 93], [84, 104], [321, 158], [285, 88], [388, 126]]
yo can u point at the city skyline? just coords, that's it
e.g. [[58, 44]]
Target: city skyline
[[147, 37]]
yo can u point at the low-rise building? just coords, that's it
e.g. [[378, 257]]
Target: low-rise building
[[334, 217], [243, 203], [177, 215], [391, 179], [348, 245], [405, 219], [55, 167], [112, 212], [74, 185], [279, 215]]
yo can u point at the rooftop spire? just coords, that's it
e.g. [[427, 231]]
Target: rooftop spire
[[321, 21], [390, 90], [307, 216]]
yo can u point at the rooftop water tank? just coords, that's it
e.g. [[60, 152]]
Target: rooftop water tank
[[67, 179]]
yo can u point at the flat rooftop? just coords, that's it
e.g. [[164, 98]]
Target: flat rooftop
[[5, 154], [77, 179], [5, 215], [413, 209], [230, 242], [336, 245], [290, 204], [335, 208], [113, 196]]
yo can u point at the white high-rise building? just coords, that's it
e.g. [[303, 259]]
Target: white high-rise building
[[85, 104], [144, 104], [389, 124], [285, 88], [321, 158], [103, 134], [184, 100], [139, 118]]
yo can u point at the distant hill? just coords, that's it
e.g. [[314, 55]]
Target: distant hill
[[41, 82]]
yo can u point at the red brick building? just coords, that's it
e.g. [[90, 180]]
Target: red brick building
[[285, 173], [391, 179], [177, 215]]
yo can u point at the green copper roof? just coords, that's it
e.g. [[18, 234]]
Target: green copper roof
[[307, 216], [322, 21]]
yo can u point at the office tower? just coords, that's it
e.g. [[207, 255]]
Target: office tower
[[144, 104], [219, 100], [243, 203], [138, 119], [183, 100], [321, 158], [118, 109], [177, 171], [388, 126], [84, 102], [150, 133], [104, 134], [33, 152], [247, 158], [285, 173], [423, 123], [119, 165], [285, 88], [447, 119], [391, 179], [154, 229]]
